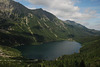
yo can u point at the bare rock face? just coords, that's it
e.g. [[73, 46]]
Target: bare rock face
[[5, 7]]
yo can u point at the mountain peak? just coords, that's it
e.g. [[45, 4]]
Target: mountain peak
[[75, 24], [39, 9], [43, 14], [70, 21]]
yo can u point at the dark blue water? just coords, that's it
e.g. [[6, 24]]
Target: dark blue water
[[49, 51]]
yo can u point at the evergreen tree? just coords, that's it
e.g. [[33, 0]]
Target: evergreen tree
[[82, 64]]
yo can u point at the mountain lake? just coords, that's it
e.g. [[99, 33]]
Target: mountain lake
[[49, 51]]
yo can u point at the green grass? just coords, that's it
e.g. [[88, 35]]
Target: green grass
[[10, 52]]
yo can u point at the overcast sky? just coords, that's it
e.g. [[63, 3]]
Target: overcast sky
[[85, 12]]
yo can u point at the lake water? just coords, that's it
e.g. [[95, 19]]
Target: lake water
[[49, 51]]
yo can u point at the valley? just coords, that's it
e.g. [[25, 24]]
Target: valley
[[20, 26]]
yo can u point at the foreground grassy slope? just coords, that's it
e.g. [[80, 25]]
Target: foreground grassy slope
[[8, 52]]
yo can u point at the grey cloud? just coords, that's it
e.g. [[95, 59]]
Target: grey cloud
[[40, 2], [65, 9], [97, 26]]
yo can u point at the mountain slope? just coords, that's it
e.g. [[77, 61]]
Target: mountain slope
[[79, 30], [22, 26]]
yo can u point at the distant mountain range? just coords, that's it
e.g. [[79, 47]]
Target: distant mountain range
[[22, 26]]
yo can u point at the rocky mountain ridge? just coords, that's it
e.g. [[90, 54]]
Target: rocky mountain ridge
[[22, 26]]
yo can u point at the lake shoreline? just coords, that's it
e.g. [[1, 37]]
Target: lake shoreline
[[57, 49]]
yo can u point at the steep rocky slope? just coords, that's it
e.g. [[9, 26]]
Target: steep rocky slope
[[22, 26]]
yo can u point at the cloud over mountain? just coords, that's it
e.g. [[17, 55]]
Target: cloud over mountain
[[65, 9]]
